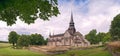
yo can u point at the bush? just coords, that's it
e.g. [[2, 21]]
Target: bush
[[23, 41], [37, 39]]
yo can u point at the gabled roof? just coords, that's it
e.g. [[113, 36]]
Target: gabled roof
[[57, 35]]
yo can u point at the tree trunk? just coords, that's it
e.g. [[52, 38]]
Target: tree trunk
[[13, 44]]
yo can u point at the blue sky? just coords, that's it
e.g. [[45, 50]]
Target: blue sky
[[82, 4], [88, 15]]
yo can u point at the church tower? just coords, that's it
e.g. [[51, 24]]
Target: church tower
[[71, 28]]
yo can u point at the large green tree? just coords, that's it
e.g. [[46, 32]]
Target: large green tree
[[37, 39], [27, 9], [100, 36], [115, 28], [13, 37], [23, 41], [106, 38], [91, 36]]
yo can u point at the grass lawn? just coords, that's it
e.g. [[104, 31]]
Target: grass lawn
[[6, 50], [89, 52]]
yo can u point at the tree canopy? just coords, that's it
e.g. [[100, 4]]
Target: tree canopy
[[36, 39], [115, 28], [95, 38], [13, 37], [100, 36], [91, 36], [106, 38], [27, 10], [24, 40]]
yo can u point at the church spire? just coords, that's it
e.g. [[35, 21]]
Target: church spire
[[71, 28], [71, 21]]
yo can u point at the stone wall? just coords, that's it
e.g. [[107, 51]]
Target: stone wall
[[114, 48]]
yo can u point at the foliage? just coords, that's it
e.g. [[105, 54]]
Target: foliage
[[95, 38], [115, 28], [27, 10], [24, 40], [13, 37], [91, 36], [37, 39], [106, 38], [100, 36]]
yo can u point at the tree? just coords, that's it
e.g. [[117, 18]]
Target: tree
[[13, 37], [23, 41], [100, 36], [27, 9], [106, 38], [37, 39], [91, 36], [95, 38], [115, 28]]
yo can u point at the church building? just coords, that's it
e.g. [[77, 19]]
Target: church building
[[70, 37]]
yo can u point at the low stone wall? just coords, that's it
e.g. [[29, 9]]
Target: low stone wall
[[114, 48], [57, 49], [49, 49]]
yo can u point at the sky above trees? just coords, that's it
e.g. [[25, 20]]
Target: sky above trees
[[88, 15]]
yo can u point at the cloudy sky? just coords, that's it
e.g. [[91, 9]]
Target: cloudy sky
[[88, 15]]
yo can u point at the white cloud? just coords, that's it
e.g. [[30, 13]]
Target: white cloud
[[88, 15]]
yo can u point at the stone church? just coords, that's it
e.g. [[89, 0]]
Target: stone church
[[71, 37]]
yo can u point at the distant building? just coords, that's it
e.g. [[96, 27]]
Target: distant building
[[69, 38]]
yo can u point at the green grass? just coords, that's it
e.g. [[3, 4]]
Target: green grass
[[3, 45], [6, 50], [89, 52]]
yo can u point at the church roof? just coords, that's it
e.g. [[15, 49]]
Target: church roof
[[57, 35], [78, 33]]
